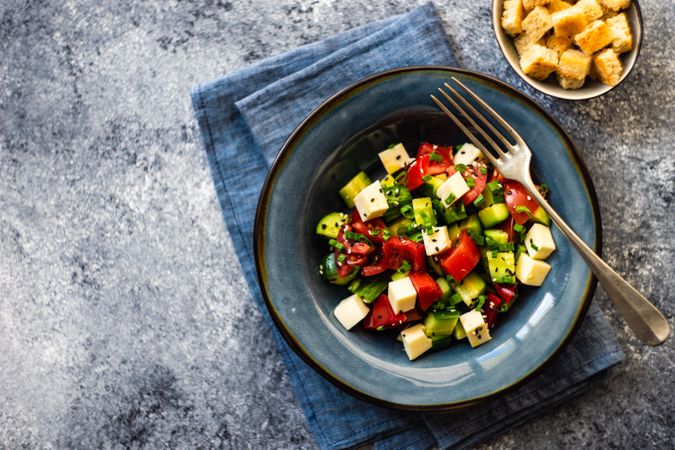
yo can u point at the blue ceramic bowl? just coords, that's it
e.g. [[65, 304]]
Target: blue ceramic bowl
[[344, 135]]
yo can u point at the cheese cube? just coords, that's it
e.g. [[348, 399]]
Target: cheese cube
[[415, 342], [592, 10], [479, 336], [539, 62], [436, 242], [472, 321], [467, 154], [568, 22], [512, 17], [539, 241], [615, 5], [622, 37], [452, 189], [595, 36], [537, 23], [402, 295], [608, 66], [351, 311], [531, 271], [574, 64], [371, 202], [395, 158]]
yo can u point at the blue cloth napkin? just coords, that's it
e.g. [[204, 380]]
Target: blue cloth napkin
[[246, 116]]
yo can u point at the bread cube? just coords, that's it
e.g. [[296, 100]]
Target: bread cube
[[595, 36], [558, 43], [537, 23], [574, 64], [570, 83], [512, 17], [608, 67], [615, 5], [558, 5], [591, 8], [622, 37], [568, 22], [523, 43], [539, 62], [531, 4]]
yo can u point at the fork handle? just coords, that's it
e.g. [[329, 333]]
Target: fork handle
[[642, 317]]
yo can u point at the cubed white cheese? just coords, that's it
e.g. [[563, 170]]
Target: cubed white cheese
[[452, 189], [472, 321], [531, 271], [467, 154], [371, 202], [436, 242], [351, 311], [402, 295], [539, 241], [395, 158], [415, 342], [479, 336]]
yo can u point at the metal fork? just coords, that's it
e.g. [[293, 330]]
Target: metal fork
[[513, 161]]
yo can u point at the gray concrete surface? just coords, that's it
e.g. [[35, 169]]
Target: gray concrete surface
[[124, 319]]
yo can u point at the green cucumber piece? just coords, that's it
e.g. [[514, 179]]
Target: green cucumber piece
[[493, 193], [424, 211], [400, 226], [445, 288], [440, 323], [353, 187], [520, 248], [371, 288], [434, 265], [498, 236], [502, 267], [472, 225], [459, 332], [493, 215], [402, 271], [329, 225], [440, 342], [541, 216], [328, 270], [470, 288], [453, 232], [450, 214]]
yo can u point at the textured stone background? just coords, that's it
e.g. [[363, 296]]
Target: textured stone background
[[124, 319]]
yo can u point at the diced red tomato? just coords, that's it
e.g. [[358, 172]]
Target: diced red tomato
[[376, 267], [394, 251], [479, 179], [491, 308], [365, 228], [382, 315], [424, 149], [515, 195], [507, 292], [460, 260], [507, 226], [413, 315], [427, 289], [497, 176], [416, 255], [414, 177], [429, 165]]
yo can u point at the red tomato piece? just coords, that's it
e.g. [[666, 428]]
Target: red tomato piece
[[479, 180], [393, 252], [491, 308], [496, 176], [507, 226], [515, 196], [416, 255], [431, 165], [507, 292], [413, 315], [365, 228], [460, 260], [375, 268], [424, 149], [414, 177], [427, 289], [381, 315]]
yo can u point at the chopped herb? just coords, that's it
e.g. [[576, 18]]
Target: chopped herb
[[523, 209], [533, 245], [479, 201], [342, 258], [483, 170], [426, 178], [386, 234], [375, 231], [408, 212], [405, 267], [480, 303], [460, 168], [544, 190], [470, 182], [435, 157], [518, 228]]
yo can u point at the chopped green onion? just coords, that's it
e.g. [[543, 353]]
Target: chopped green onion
[[479, 201], [483, 170], [460, 168], [435, 157], [544, 189], [523, 209], [477, 238], [408, 212], [451, 198], [386, 234], [481, 302], [470, 182], [342, 258], [391, 146], [533, 245], [405, 267], [518, 228], [375, 231], [426, 178], [355, 236]]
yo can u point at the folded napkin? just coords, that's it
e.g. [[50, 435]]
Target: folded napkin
[[245, 117]]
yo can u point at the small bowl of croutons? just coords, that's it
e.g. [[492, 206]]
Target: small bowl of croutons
[[569, 49]]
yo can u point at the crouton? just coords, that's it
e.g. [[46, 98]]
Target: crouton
[[557, 5], [622, 37], [558, 44], [608, 67], [594, 37], [615, 5], [574, 64], [569, 83], [523, 43], [530, 4], [537, 23], [568, 22], [512, 17], [539, 62], [591, 9]]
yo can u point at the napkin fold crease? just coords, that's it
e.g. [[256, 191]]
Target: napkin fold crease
[[244, 118]]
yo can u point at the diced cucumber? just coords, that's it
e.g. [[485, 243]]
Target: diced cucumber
[[440, 323], [434, 265], [471, 224], [329, 225], [328, 270], [493, 215], [493, 193], [445, 288], [371, 288], [424, 211], [440, 342], [459, 332], [399, 226], [450, 214], [454, 231], [470, 288], [502, 267], [498, 236], [541, 216], [520, 248], [353, 187], [433, 182], [454, 299], [402, 271]]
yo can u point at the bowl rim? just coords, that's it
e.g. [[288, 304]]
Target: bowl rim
[[555, 94], [259, 225]]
